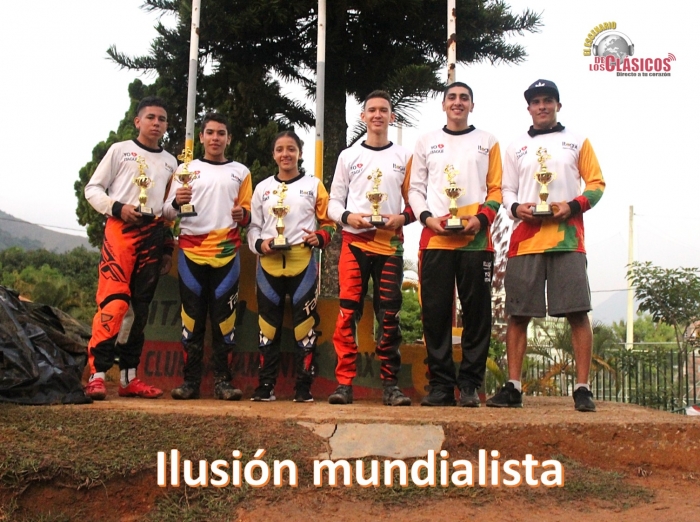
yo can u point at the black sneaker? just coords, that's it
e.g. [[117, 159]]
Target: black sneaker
[[583, 400], [439, 397], [341, 395], [302, 393], [265, 393], [185, 391], [225, 392], [507, 397], [393, 396], [468, 398]]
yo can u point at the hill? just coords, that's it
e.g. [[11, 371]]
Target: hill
[[15, 232], [613, 309]]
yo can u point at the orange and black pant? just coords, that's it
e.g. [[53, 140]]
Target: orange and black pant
[[128, 274], [439, 270], [271, 292], [355, 267], [214, 289]]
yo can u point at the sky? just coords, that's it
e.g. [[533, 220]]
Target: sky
[[63, 95]]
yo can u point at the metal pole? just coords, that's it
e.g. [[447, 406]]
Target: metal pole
[[451, 41], [320, 86], [630, 290], [187, 153]]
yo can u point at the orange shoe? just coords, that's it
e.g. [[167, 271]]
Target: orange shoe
[[137, 388], [96, 389]]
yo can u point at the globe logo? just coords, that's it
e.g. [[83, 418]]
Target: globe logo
[[613, 43]]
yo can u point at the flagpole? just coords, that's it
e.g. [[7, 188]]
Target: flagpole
[[320, 86], [187, 153], [451, 41]]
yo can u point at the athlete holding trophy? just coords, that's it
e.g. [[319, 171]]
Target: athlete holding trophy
[[208, 262], [455, 246]]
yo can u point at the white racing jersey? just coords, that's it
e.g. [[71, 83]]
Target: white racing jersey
[[307, 200], [113, 180]]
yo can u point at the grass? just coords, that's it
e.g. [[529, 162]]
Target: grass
[[81, 448]]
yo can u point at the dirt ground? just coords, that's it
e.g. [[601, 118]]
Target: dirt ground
[[652, 457]]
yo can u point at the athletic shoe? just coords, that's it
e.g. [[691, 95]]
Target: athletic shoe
[[95, 389], [138, 388], [302, 393], [468, 398], [185, 391], [341, 395], [265, 393], [583, 400], [223, 390], [393, 396], [507, 397], [439, 397]]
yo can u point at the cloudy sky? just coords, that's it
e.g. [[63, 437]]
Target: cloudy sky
[[62, 96]]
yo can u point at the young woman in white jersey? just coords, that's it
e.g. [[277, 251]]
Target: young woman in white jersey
[[290, 270]]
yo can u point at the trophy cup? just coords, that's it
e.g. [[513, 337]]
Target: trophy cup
[[544, 177], [143, 182], [376, 197], [279, 211], [184, 178], [453, 192]]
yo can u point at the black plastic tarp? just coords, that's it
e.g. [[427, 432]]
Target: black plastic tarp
[[42, 353]]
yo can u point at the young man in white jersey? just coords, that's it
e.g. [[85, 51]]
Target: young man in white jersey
[[470, 158], [369, 250], [548, 248], [134, 252], [208, 264]]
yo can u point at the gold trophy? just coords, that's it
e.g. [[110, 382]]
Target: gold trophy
[[279, 211], [544, 177], [376, 197], [453, 192], [143, 182], [184, 177]]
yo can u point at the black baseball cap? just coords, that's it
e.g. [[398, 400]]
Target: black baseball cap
[[542, 87]]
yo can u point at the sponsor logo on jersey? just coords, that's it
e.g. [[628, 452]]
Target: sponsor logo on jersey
[[399, 168], [130, 156], [520, 153], [307, 193], [237, 179], [570, 146], [357, 167], [482, 150], [266, 195], [437, 149]]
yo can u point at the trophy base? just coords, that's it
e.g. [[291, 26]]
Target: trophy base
[[186, 210], [280, 244], [146, 212], [542, 211], [376, 221], [454, 224]]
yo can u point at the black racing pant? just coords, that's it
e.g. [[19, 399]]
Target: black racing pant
[[471, 271], [214, 289], [271, 291]]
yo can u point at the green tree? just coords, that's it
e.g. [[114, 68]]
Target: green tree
[[646, 330], [397, 45], [670, 295], [410, 318], [67, 281]]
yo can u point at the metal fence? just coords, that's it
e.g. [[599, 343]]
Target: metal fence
[[662, 378]]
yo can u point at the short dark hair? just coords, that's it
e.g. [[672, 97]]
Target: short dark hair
[[150, 101], [216, 117], [378, 94], [288, 134], [457, 84]]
